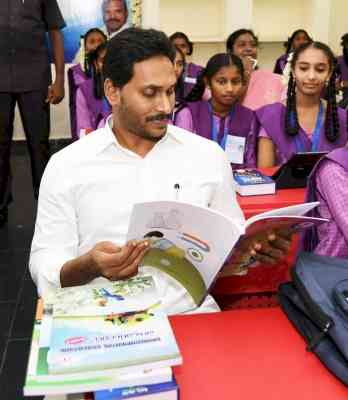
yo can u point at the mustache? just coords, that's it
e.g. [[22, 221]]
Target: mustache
[[158, 117]]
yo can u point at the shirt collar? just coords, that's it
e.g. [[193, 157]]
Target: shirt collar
[[109, 137]]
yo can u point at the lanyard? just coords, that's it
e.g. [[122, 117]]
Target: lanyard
[[214, 130], [316, 133]]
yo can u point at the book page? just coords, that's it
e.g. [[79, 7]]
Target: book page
[[189, 243]]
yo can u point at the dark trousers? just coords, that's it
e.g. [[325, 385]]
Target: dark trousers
[[35, 115]]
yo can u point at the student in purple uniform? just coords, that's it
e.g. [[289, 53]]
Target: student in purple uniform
[[342, 62], [91, 107], [328, 184], [77, 74], [181, 41], [306, 122], [222, 118], [297, 39], [262, 87]]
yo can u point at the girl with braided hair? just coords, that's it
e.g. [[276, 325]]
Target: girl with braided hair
[[91, 105], [297, 39], [222, 118], [78, 74], [305, 122]]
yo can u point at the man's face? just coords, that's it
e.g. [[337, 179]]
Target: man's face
[[144, 105], [115, 15]]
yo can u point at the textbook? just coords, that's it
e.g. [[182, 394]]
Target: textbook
[[162, 391], [192, 243], [110, 325], [250, 182]]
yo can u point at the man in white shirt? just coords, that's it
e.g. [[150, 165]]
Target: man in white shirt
[[89, 188]]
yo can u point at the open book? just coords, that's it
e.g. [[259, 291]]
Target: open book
[[191, 243]]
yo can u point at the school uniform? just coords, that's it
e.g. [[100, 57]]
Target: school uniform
[[271, 124], [328, 184], [235, 131]]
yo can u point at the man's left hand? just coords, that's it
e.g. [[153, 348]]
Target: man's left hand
[[55, 93]]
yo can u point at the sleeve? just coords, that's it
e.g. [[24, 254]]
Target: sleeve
[[52, 16], [332, 184], [263, 133], [225, 199], [184, 120], [55, 238], [83, 118], [251, 143]]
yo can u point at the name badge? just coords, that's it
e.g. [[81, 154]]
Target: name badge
[[235, 146], [188, 79]]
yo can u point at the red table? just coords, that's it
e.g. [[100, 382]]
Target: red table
[[230, 291], [249, 354]]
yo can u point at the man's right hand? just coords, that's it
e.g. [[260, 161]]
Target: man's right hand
[[118, 262]]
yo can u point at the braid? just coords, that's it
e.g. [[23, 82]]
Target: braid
[[291, 119], [197, 91], [332, 124]]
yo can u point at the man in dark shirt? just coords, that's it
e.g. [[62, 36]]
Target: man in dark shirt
[[25, 79]]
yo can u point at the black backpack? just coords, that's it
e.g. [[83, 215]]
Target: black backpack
[[316, 302]]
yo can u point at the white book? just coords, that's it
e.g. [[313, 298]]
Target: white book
[[191, 243]]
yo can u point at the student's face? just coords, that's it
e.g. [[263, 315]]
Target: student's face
[[300, 39], [245, 46], [178, 65], [143, 106], [312, 71], [181, 44], [226, 86], [115, 15], [94, 39]]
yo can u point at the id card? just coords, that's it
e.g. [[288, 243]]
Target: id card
[[188, 79], [235, 146]]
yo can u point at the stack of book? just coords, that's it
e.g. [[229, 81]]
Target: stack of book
[[109, 338]]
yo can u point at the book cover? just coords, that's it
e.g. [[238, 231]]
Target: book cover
[[169, 391], [253, 182], [129, 341], [40, 382]]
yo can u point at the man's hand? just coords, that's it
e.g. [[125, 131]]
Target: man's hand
[[55, 92], [115, 262]]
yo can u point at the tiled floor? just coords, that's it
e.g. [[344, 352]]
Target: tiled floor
[[17, 291]]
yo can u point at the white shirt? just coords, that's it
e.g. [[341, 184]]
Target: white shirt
[[88, 190]]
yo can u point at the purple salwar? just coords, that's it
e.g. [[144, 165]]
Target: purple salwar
[[328, 184]]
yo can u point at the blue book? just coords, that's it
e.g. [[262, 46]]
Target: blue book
[[162, 391], [251, 182]]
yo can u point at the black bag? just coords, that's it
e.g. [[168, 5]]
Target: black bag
[[316, 302]]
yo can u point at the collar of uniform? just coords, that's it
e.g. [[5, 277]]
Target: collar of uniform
[[109, 137]]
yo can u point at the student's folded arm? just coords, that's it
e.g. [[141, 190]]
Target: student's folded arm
[[265, 153]]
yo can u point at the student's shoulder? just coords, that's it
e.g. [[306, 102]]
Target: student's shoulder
[[273, 110]]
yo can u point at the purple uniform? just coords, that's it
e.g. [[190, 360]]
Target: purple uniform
[[196, 117], [328, 184], [280, 64], [89, 110], [75, 78], [271, 123]]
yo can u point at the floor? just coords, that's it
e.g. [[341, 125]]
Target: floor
[[17, 291]]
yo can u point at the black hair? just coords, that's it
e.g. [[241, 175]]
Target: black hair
[[214, 64], [131, 46], [288, 43], [182, 35], [92, 72], [331, 118], [344, 44], [235, 35], [85, 37], [180, 87]]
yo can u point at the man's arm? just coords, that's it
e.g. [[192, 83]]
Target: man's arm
[[56, 90]]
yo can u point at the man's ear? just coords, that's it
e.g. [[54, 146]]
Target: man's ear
[[112, 93]]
